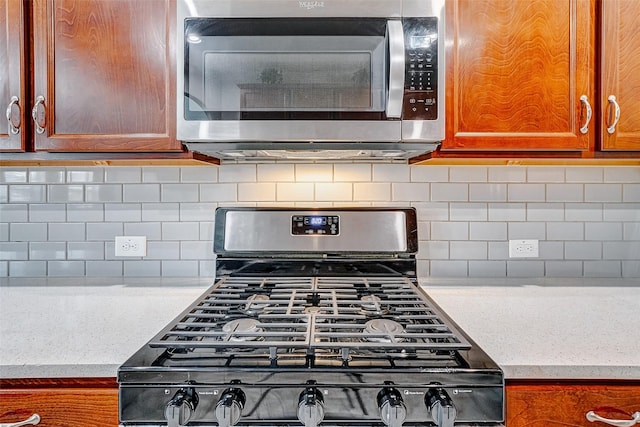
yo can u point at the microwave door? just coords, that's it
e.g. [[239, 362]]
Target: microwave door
[[395, 40]]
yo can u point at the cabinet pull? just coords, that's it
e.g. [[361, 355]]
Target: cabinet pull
[[32, 420], [34, 113], [13, 129], [612, 102], [592, 416], [585, 101]]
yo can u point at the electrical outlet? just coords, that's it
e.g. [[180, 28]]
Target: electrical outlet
[[131, 245], [523, 249]]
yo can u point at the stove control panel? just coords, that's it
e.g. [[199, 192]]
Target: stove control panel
[[180, 408], [315, 225]]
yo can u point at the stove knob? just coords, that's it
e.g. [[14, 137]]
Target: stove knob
[[311, 407], [181, 407], [442, 410], [393, 412], [229, 407]]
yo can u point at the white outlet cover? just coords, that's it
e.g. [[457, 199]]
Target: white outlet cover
[[523, 249], [131, 246]]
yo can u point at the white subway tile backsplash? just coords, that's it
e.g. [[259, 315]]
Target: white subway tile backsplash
[[27, 231], [180, 231], [27, 193], [450, 192], [85, 250], [258, 192], [468, 174], [313, 172], [526, 192], [65, 268], [218, 192], [63, 220], [123, 212], [292, 192], [372, 191], [410, 192], [390, 173], [160, 174], [47, 250], [276, 172], [52, 212], [92, 175], [123, 174], [334, 192], [85, 212], [237, 173], [141, 193], [494, 192], [352, 172], [179, 192], [603, 192], [101, 193]]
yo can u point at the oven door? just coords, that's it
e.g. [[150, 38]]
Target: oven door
[[239, 78]]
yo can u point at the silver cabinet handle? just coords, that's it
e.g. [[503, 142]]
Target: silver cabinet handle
[[395, 36], [585, 101], [612, 101], [34, 114], [592, 416], [31, 421], [13, 129]]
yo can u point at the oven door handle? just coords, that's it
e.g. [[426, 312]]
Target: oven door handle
[[395, 38]]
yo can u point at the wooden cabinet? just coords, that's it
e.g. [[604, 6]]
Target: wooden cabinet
[[620, 77], [13, 97], [516, 73], [104, 75], [566, 404], [67, 403], [99, 76]]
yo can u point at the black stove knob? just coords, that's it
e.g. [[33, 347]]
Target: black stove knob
[[311, 407], [441, 407], [393, 412], [180, 408], [229, 407]]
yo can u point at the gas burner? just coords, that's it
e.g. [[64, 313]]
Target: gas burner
[[242, 326], [372, 305], [312, 310], [255, 304], [383, 331]]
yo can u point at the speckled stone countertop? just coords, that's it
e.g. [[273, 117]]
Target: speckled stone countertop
[[533, 328]]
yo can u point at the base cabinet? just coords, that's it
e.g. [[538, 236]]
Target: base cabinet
[[566, 404], [61, 407]]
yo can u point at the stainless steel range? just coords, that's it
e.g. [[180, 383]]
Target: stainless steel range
[[315, 319]]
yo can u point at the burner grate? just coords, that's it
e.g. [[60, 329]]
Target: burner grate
[[313, 313]]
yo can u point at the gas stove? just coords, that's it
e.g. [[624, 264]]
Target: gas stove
[[315, 319]]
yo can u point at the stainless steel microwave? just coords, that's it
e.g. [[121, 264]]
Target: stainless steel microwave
[[280, 78]]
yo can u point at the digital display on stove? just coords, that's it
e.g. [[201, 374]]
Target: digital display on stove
[[315, 225]]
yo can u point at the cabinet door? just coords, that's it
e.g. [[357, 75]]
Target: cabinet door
[[516, 73], [104, 75], [566, 405], [620, 74], [61, 408], [12, 76]]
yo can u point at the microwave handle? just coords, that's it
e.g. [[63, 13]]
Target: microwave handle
[[395, 37]]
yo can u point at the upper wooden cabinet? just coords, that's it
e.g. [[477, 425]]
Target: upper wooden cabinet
[[13, 96], [620, 76], [516, 73]]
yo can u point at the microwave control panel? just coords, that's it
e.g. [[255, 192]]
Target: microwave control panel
[[421, 68]]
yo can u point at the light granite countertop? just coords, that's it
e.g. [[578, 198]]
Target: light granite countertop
[[533, 328]]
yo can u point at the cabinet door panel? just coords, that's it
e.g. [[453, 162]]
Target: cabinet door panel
[[621, 76], [61, 408], [12, 70], [566, 405], [106, 71], [516, 72]]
